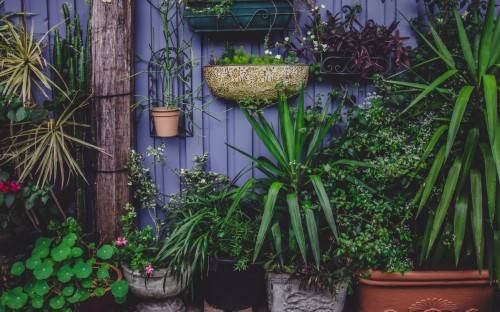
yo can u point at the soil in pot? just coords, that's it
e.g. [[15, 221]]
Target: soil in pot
[[228, 290]]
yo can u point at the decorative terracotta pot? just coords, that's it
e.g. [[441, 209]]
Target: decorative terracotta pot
[[425, 291], [256, 82], [152, 287], [105, 302], [284, 294], [166, 121]]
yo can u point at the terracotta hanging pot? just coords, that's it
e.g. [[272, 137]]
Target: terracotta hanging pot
[[166, 121], [425, 291]]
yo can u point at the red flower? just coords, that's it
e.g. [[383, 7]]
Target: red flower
[[4, 186], [15, 187]]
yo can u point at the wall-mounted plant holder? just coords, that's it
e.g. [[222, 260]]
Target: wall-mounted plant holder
[[335, 65], [176, 92], [243, 15]]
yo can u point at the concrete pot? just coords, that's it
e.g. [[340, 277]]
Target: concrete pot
[[256, 82], [420, 291], [152, 287], [166, 121], [285, 295]]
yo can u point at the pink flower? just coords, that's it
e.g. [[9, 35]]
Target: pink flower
[[15, 187], [149, 270], [121, 241]]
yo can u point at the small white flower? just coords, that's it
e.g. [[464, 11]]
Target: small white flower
[[286, 38], [465, 14], [309, 32], [267, 52], [304, 39], [323, 6], [316, 8], [278, 57], [315, 43]]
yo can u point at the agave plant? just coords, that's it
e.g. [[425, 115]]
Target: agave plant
[[467, 160], [289, 174]]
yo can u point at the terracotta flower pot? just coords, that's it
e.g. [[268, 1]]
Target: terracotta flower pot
[[166, 121], [256, 82], [425, 291], [105, 302]]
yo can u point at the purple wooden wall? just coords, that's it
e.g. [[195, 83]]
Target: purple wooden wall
[[232, 128]]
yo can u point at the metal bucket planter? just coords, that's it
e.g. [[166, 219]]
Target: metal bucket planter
[[284, 294], [166, 121], [243, 15], [152, 287], [415, 291], [256, 82]]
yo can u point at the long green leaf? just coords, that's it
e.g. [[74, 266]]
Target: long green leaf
[[465, 45], [445, 54], [296, 221], [299, 124], [492, 122], [287, 131], [491, 180], [456, 117], [324, 202], [486, 37], [427, 236], [420, 86], [267, 217], [276, 231], [431, 87], [468, 157], [430, 180], [477, 215], [460, 222], [312, 230], [236, 200], [354, 163], [444, 202], [432, 142]]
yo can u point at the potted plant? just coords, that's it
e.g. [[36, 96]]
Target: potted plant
[[343, 46], [458, 195], [65, 272], [238, 76], [297, 229], [166, 120], [136, 249], [238, 15], [212, 236]]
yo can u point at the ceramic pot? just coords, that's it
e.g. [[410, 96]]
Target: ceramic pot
[[256, 82], [105, 302], [243, 15], [166, 121], [152, 287], [420, 291], [284, 294], [228, 290]]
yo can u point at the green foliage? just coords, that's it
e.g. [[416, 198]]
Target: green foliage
[[56, 278], [465, 78], [239, 57], [211, 218], [293, 184]]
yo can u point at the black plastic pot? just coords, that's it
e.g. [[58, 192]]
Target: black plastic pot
[[228, 290]]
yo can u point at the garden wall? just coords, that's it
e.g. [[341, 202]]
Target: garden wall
[[229, 125]]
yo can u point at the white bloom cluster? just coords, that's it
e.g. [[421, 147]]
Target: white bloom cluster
[[268, 52]]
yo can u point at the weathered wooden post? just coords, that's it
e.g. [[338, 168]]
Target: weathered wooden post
[[112, 126]]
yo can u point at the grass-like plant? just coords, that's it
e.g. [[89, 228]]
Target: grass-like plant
[[467, 160], [289, 175]]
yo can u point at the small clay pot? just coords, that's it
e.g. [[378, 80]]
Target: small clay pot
[[166, 121]]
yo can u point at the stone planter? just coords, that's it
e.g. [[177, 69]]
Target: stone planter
[[284, 295], [256, 82], [243, 15], [420, 291], [152, 287]]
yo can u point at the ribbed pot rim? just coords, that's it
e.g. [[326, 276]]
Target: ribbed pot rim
[[427, 278], [157, 272]]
